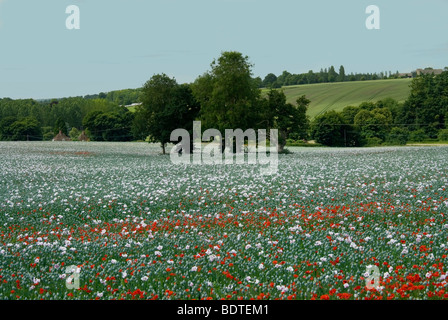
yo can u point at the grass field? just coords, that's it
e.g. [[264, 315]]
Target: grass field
[[336, 96], [135, 226]]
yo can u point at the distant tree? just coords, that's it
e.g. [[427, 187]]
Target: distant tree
[[373, 124], [258, 82], [398, 136], [369, 106], [109, 126], [89, 123], [60, 125], [276, 85], [27, 129], [74, 134], [391, 104], [283, 78], [443, 135], [311, 77], [341, 76], [427, 103], [6, 133], [140, 124], [47, 133], [323, 76], [332, 75], [446, 120], [418, 135], [329, 128], [269, 80], [301, 118], [349, 113]]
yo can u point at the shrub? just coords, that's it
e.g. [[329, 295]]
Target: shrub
[[74, 134], [418, 135], [373, 142], [328, 129], [398, 136], [443, 135]]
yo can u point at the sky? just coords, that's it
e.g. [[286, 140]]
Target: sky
[[122, 43]]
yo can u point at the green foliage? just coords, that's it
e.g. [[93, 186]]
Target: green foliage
[[47, 133], [227, 95], [332, 75], [443, 135], [418, 135], [302, 121], [349, 113], [6, 133], [109, 126], [269, 80], [60, 126], [60, 115], [290, 120], [341, 76], [398, 136], [373, 123], [27, 129], [427, 104], [324, 76], [328, 129], [373, 142], [74, 134], [120, 97], [166, 106]]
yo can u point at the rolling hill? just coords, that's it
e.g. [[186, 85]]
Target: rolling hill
[[335, 96]]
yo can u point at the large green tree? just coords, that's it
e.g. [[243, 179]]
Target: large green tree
[[332, 75], [166, 106], [228, 96]]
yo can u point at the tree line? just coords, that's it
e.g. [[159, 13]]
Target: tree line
[[27, 119], [228, 96], [326, 75], [423, 116]]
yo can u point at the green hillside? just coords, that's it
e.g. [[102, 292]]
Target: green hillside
[[336, 96]]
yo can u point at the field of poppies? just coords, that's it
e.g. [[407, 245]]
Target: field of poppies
[[136, 226]]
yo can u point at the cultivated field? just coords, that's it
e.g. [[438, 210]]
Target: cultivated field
[[138, 227], [336, 96]]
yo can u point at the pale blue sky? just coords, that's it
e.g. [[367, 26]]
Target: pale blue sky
[[122, 43]]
